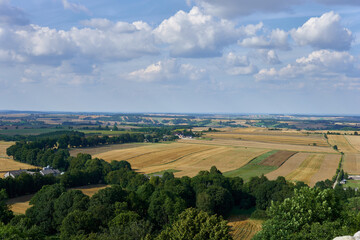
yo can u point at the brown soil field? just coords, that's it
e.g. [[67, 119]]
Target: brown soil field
[[327, 169], [187, 158], [7, 163], [278, 159], [289, 166], [252, 144], [354, 141], [352, 163], [102, 149], [244, 229], [307, 169], [342, 143], [19, 205], [310, 140]]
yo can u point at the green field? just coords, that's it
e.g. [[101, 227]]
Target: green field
[[253, 168], [352, 184], [103, 132], [30, 131]]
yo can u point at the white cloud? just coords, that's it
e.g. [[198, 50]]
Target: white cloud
[[239, 65], [74, 7], [325, 32], [165, 71], [269, 56], [322, 64], [277, 39], [99, 42], [234, 8], [195, 34]]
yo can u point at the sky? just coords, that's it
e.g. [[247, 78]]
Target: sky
[[181, 56]]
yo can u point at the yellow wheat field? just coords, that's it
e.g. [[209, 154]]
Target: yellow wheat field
[[342, 143], [354, 141], [310, 166], [7, 163], [327, 169], [352, 163], [289, 166], [244, 229], [253, 144], [19, 205], [187, 158], [317, 140]]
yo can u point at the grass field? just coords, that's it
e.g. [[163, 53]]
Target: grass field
[[186, 158], [19, 205], [299, 139], [352, 163], [243, 228], [354, 141], [7, 163], [342, 143], [103, 132], [352, 184], [252, 144], [31, 131], [253, 168]]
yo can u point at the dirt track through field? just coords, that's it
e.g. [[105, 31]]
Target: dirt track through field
[[354, 141], [342, 143], [289, 166]]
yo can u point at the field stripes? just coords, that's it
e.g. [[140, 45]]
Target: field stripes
[[244, 229], [352, 163], [342, 143], [354, 141], [289, 166], [307, 168], [327, 169], [252, 144], [299, 139]]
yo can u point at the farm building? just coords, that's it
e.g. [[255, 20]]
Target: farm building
[[16, 173], [49, 170]]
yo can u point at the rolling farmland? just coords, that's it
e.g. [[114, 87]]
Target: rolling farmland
[[186, 158], [7, 163], [342, 143], [352, 163], [354, 142]]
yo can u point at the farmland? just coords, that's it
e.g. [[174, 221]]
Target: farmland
[[243, 228], [342, 143], [354, 141], [352, 163], [19, 205], [186, 158], [7, 163]]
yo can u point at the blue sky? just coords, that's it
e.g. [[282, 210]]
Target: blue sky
[[227, 56]]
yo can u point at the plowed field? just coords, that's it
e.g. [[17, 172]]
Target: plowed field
[[278, 159]]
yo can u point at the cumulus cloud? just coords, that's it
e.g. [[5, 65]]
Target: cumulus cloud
[[277, 39], [11, 15], [325, 32], [322, 64], [269, 56], [74, 7], [239, 65], [196, 34], [234, 8], [167, 70], [100, 41]]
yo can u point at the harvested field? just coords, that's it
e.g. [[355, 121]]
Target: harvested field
[[244, 229], [289, 166], [251, 144], [299, 139], [186, 158], [354, 141], [342, 143], [327, 169], [102, 149], [7, 163], [278, 158], [19, 205], [352, 163], [307, 169]]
